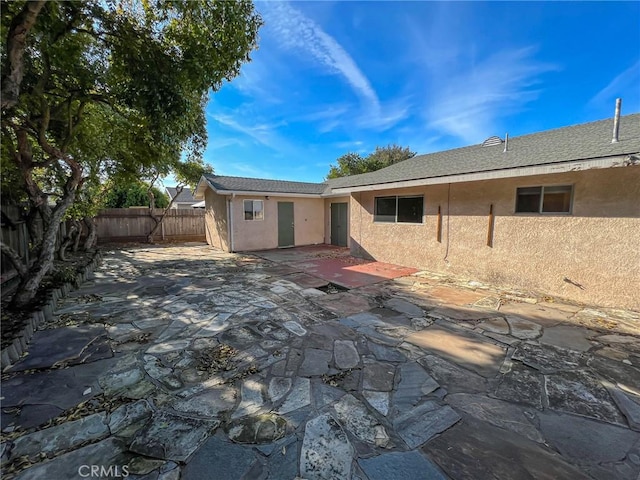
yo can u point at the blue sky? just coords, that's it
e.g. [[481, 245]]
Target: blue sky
[[334, 77]]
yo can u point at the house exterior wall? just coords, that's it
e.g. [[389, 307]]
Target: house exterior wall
[[308, 217], [327, 217], [590, 256], [215, 219], [181, 205]]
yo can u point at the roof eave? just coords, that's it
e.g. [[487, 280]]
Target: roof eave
[[571, 166], [249, 193], [201, 187]]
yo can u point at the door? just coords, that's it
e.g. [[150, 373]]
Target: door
[[339, 224], [285, 224]]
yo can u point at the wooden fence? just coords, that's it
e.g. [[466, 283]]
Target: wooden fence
[[134, 224], [14, 233]]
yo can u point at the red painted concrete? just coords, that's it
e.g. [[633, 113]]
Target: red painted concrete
[[335, 265]]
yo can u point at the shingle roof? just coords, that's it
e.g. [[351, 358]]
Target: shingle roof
[[184, 197], [241, 184], [578, 142]]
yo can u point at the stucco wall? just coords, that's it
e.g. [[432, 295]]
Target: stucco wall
[[327, 217], [216, 220], [308, 218], [591, 256]]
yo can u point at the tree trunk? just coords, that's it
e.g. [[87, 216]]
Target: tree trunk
[[15, 259], [76, 242], [36, 225], [92, 235], [16, 44], [159, 221], [28, 287], [62, 251]]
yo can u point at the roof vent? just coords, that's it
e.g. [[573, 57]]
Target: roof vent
[[492, 141]]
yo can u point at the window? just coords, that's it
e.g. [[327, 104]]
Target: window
[[253, 210], [553, 199], [398, 209]]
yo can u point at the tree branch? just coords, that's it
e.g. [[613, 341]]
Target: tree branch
[[16, 43], [15, 259]]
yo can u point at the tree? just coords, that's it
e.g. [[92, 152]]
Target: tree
[[354, 164], [107, 89], [348, 164], [187, 174], [133, 194]]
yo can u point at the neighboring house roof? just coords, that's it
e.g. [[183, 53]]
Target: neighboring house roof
[[184, 197], [579, 142], [258, 185], [556, 150]]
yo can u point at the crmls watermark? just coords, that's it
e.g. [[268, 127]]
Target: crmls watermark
[[103, 471]]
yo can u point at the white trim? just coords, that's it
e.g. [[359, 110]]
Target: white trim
[[575, 166], [230, 223], [266, 194]]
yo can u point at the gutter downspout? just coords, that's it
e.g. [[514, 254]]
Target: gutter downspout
[[231, 249]]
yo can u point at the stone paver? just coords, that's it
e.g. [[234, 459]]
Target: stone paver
[[567, 337], [585, 440], [299, 396], [356, 418], [58, 345], [496, 412], [400, 466], [316, 362], [110, 451], [465, 349], [378, 376], [326, 451], [474, 449], [188, 362], [218, 455], [523, 329], [345, 354], [171, 437], [419, 425]]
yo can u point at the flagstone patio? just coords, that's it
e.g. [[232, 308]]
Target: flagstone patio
[[183, 362]]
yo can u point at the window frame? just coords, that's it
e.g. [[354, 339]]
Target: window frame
[[395, 219], [253, 210], [541, 202]]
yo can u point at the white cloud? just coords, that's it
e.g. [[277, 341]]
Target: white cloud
[[260, 132], [297, 32], [220, 142], [242, 170], [626, 81], [466, 103]]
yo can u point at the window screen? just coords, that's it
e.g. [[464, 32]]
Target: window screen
[[385, 209], [528, 200], [399, 209], [410, 209], [552, 199], [557, 199], [253, 210]]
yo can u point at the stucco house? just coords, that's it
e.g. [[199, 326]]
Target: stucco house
[[556, 211], [185, 198]]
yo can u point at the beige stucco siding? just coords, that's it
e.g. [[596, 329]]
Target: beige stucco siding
[[327, 217], [591, 256], [250, 235], [216, 229]]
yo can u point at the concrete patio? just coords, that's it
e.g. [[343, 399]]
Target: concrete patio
[[183, 362]]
